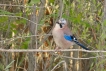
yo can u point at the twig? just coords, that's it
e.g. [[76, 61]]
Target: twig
[[59, 64], [23, 6], [40, 50]]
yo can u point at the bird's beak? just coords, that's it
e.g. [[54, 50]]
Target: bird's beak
[[57, 22]]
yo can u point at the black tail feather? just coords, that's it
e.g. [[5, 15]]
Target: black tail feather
[[84, 47]]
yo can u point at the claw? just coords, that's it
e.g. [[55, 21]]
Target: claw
[[57, 49]]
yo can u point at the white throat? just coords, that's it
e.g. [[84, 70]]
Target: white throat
[[57, 26]]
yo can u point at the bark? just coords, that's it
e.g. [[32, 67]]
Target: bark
[[75, 62], [32, 45], [33, 29]]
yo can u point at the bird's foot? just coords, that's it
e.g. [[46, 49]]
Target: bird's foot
[[57, 49]]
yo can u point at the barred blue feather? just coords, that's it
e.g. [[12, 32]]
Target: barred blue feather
[[73, 39]]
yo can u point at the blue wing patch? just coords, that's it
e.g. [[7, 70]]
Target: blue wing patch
[[68, 37]]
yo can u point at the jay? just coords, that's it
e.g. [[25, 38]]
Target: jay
[[63, 36]]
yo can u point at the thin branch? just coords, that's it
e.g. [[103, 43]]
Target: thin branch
[[39, 50], [14, 38], [24, 6], [62, 50], [59, 64], [21, 18]]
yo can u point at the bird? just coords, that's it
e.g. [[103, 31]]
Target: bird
[[63, 37]]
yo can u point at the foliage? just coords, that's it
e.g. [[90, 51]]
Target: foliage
[[84, 16]]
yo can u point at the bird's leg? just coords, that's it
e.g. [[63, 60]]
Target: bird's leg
[[57, 49]]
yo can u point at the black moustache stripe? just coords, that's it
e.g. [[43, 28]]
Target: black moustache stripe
[[59, 24]]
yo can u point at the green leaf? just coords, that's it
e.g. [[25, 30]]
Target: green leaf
[[25, 43], [5, 12], [21, 21], [103, 36], [1, 67], [3, 19], [64, 1], [104, 23], [18, 14], [51, 1], [34, 1], [10, 65]]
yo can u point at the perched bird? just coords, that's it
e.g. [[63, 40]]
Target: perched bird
[[63, 36]]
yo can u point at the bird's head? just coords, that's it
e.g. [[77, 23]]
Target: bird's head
[[62, 22]]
